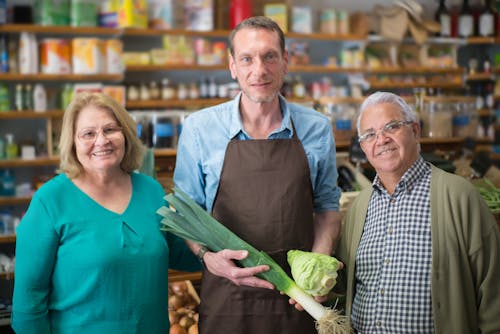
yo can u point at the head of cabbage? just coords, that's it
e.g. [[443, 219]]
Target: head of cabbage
[[314, 273]]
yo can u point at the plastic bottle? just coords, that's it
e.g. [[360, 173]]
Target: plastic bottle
[[19, 98], [28, 97], [8, 183], [11, 149], [4, 55], [39, 98], [2, 149], [4, 98]]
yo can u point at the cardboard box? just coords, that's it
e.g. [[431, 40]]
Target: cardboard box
[[278, 13], [133, 13]]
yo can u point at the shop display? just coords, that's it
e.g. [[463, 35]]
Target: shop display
[[183, 302]]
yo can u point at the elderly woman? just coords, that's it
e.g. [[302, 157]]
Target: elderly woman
[[90, 257]]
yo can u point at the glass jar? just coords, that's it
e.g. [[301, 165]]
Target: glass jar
[[465, 118], [163, 136], [342, 113], [437, 117]]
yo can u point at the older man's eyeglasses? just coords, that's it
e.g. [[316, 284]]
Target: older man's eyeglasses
[[390, 128], [90, 135]]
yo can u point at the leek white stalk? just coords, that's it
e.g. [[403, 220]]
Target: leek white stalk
[[189, 221]]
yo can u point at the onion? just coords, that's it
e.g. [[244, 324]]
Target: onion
[[177, 329]]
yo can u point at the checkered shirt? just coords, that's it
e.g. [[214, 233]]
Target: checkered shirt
[[393, 261]]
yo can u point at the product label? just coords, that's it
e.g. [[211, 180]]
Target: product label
[[465, 25], [486, 23], [445, 21]]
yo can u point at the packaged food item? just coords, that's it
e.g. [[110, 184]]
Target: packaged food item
[[89, 56], [52, 12], [83, 13], [114, 62], [55, 57], [278, 13], [28, 53], [133, 13]]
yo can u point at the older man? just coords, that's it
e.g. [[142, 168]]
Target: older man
[[420, 246]]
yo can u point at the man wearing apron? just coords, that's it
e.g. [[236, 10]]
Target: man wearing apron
[[265, 168]]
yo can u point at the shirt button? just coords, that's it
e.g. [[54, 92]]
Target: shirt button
[[393, 201], [390, 230], [382, 291], [378, 323], [387, 261]]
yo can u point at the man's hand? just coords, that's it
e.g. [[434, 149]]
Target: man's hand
[[222, 264]]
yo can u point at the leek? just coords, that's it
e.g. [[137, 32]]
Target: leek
[[189, 221]]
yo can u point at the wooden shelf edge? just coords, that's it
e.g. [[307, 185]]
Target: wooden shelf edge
[[29, 114], [8, 200], [60, 77], [7, 238], [40, 161], [176, 276], [63, 30]]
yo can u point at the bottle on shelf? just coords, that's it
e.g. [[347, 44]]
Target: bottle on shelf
[[203, 88], [465, 20], [167, 90], [443, 16], [2, 149], [212, 88], [11, 148], [28, 97], [8, 183], [4, 54], [19, 98], [486, 24], [4, 98], [39, 98]]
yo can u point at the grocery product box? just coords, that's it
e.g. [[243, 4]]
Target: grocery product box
[[89, 56], [302, 19], [133, 13], [52, 12], [278, 13], [199, 15]]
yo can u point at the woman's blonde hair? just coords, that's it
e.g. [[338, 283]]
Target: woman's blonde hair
[[134, 149]]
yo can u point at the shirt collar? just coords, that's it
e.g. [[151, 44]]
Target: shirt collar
[[409, 179], [236, 124]]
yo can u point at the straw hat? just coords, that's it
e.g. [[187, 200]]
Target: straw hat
[[393, 22], [403, 15]]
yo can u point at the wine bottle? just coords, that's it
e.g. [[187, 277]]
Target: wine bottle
[[443, 16], [486, 27], [465, 20]]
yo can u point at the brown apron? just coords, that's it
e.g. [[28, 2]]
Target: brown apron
[[265, 197]]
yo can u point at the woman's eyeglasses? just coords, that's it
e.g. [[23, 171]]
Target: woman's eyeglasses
[[90, 135]]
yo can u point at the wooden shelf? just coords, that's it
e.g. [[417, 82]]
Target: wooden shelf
[[7, 238], [60, 77], [40, 161], [165, 152], [174, 103], [179, 32], [482, 40], [415, 70], [480, 77], [175, 67], [7, 276], [31, 114], [313, 68], [404, 85], [176, 276], [6, 200], [59, 30]]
